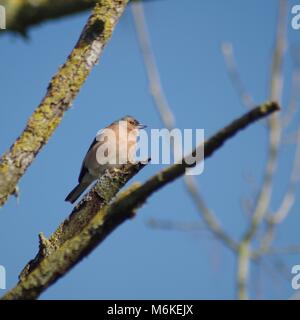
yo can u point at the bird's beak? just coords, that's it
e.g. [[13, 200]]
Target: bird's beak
[[141, 126]]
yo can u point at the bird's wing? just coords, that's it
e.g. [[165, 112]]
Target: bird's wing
[[83, 169]]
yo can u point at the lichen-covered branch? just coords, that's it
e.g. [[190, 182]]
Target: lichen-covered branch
[[22, 14], [99, 196], [109, 217], [62, 90]]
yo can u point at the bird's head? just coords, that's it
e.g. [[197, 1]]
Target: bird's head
[[133, 123]]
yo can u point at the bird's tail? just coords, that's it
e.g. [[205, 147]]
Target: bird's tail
[[76, 192]]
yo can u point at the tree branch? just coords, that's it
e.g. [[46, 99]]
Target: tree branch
[[287, 203], [24, 14], [274, 125], [62, 90], [108, 218], [100, 195]]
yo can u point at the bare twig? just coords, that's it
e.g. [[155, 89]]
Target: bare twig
[[208, 216], [291, 249], [175, 225], [153, 76], [289, 197], [285, 206], [165, 112], [274, 125], [295, 90], [234, 75]]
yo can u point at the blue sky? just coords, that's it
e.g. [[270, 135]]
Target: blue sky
[[135, 261]]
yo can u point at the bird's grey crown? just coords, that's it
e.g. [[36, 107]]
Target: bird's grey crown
[[130, 119]]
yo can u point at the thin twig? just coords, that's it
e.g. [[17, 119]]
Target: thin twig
[[165, 112], [234, 75], [153, 76], [289, 197], [274, 125], [295, 89], [175, 225], [285, 206], [208, 216], [264, 197], [291, 249]]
